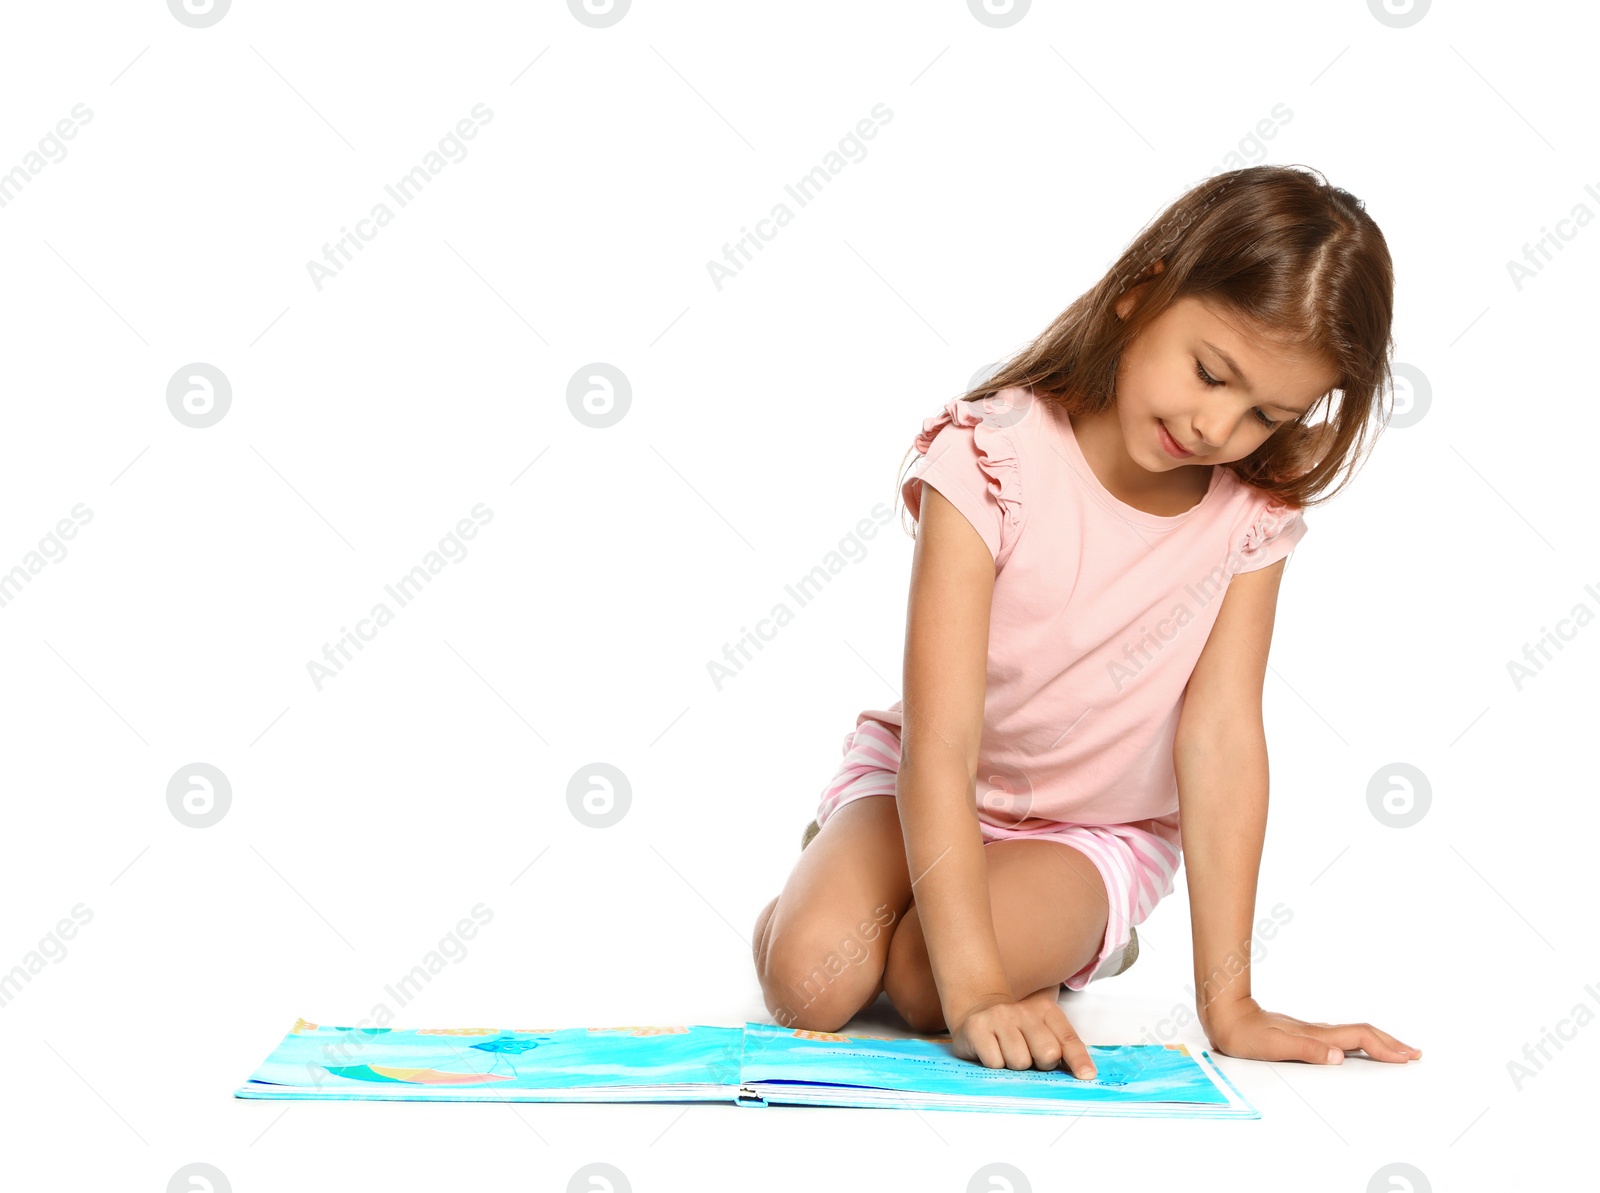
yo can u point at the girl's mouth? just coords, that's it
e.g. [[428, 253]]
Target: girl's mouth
[[1173, 447]]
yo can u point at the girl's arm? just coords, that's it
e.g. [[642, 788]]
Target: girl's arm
[[1220, 753], [946, 674]]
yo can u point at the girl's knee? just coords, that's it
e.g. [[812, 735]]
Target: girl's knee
[[811, 980]]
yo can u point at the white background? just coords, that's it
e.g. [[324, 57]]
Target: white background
[[767, 419]]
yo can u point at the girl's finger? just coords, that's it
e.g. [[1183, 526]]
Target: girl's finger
[[1403, 1051], [1075, 1057], [1376, 1044], [1075, 1053], [995, 1049], [987, 1047], [1043, 1045], [1015, 1047], [1294, 1046]]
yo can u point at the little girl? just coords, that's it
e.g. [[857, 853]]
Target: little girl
[[1103, 528]]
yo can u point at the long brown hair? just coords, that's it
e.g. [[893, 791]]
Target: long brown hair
[[1279, 248]]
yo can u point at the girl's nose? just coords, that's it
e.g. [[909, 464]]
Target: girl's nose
[[1216, 428], [1212, 433]]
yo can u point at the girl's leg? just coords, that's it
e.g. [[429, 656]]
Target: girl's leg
[[1050, 914], [820, 946]]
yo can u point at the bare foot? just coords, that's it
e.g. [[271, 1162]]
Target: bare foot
[[762, 920]]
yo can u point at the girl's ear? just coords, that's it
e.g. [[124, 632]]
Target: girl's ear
[[1314, 441], [1125, 303], [1321, 440]]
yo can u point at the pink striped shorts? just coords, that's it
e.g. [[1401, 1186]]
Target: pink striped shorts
[[1137, 862]]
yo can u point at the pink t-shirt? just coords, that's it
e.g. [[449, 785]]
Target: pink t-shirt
[[1099, 613]]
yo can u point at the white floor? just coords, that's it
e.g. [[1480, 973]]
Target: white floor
[[619, 401]]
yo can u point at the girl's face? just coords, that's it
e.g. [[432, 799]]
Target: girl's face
[[1198, 381]]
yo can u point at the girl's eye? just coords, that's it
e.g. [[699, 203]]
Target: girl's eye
[[1200, 371]]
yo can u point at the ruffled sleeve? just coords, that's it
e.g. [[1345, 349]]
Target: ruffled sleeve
[[970, 456], [1275, 531]]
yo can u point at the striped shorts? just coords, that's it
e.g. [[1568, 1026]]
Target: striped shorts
[[1137, 862]]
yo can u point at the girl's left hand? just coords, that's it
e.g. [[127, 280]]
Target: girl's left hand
[[1241, 1028]]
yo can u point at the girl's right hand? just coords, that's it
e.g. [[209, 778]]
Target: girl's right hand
[[999, 1032]]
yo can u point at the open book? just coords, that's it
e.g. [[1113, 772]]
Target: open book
[[754, 1065]]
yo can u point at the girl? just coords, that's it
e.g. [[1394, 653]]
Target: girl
[[1103, 528]]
